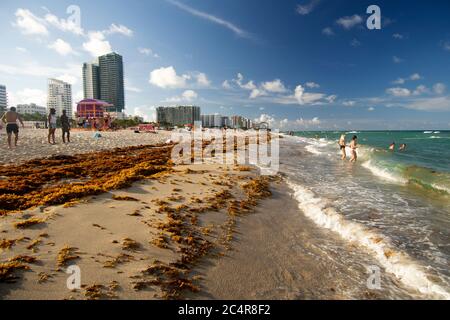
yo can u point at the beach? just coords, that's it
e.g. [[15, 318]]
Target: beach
[[118, 213]]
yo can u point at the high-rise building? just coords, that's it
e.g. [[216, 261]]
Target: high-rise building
[[111, 81], [177, 116], [59, 97], [31, 108], [3, 99], [211, 121], [91, 81]]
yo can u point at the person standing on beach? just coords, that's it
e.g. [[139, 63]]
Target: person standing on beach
[[10, 118], [65, 125], [52, 125], [342, 146], [354, 146]]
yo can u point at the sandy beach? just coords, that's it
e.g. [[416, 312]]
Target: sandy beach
[[137, 228], [33, 143]]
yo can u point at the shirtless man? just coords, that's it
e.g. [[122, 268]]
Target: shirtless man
[[10, 118]]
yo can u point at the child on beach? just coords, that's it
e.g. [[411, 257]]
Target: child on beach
[[342, 146], [354, 146], [65, 125], [52, 125], [10, 118]]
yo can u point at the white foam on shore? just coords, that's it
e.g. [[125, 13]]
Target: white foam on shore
[[384, 173], [397, 263]]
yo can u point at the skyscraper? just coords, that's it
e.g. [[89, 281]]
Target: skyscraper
[[91, 81], [3, 99], [111, 80], [59, 97]]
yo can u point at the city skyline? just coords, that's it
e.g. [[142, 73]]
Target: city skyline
[[314, 66]]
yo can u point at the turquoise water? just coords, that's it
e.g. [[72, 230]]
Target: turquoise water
[[425, 162], [394, 205]]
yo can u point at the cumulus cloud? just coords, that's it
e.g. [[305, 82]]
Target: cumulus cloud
[[202, 80], [148, 52], [328, 31], [398, 92], [64, 25], [439, 88], [397, 36], [415, 77], [186, 96], [349, 21], [28, 95], [307, 8], [421, 89], [167, 78], [61, 47], [30, 24], [312, 85], [226, 85], [97, 45], [396, 59], [349, 103], [274, 86], [119, 29]]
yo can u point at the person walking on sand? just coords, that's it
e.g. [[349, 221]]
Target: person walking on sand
[[353, 147], [10, 118], [342, 146], [52, 125], [65, 125]]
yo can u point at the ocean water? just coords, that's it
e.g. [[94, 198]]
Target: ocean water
[[395, 206]]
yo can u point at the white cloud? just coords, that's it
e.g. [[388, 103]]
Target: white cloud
[[355, 43], [148, 52], [307, 8], [298, 94], [186, 96], [68, 78], [415, 77], [399, 92], [430, 104], [328, 31], [396, 59], [97, 45], [439, 88], [398, 36], [312, 85], [274, 86], [167, 78], [30, 24], [119, 29], [61, 47], [371, 109], [349, 103], [230, 26], [312, 98], [226, 85], [421, 89], [350, 21], [203, 80], [38, 70], [399, 81], [64, 25], [146, 112], [257, 93], [132, 89]]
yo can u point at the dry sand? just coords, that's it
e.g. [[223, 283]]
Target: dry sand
[[33, 143], [96, 227]]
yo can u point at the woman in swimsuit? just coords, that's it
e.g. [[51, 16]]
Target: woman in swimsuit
[[342, 146], [354, 146], [52, 125]]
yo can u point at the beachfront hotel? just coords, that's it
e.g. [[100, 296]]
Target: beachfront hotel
[[59, 97], [177, 116], [3, 99], [31, 108], [103, 80]]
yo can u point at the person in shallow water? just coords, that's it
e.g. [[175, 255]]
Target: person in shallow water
[[353, 147], [392, 146], [342, 146], [402, 147]]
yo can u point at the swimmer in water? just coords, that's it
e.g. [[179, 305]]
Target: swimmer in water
[[353, 147], [392, 146], [402, 147], [342, 146]]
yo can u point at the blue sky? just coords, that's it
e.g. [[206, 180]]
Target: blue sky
[[305, 64]]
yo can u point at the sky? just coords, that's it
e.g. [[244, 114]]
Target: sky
[[297, 64]]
